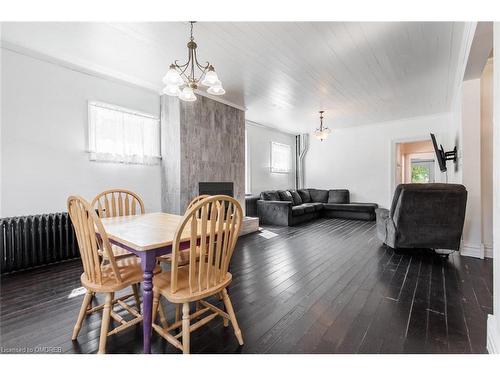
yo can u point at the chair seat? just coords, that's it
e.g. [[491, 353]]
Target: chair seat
[[130, 270], [183, 294]]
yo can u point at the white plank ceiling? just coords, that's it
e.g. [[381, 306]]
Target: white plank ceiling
[[283, 73]]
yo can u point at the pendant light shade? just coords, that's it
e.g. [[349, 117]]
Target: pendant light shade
[[322, 132], [216, 90], [173, 77], [187, 94], [211, 78], [171, 90]]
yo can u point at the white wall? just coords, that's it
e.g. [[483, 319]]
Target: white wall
[[259, 140], [44, 137], [487, 155], [362, 159], [493, 334], [471, 172]]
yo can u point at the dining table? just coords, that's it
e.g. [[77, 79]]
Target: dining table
[[148, 236]]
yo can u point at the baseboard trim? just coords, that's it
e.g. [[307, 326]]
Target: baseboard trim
[[470, 250], [488, 251], [492, 335]]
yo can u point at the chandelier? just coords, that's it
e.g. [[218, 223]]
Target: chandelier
[[322, 132], [181, 80]]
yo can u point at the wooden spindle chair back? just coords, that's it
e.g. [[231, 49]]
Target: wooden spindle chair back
[[168, 258], [87, 227], [198, 199], [118, 202], [214, 224]]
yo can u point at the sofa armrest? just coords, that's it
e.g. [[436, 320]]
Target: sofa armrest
[[274, 212]]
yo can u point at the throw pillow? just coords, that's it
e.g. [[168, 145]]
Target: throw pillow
[[285, 195], [304, 195], [270, 195], [297, 200]]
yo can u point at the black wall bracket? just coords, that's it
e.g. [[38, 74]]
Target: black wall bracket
[[451, 155]]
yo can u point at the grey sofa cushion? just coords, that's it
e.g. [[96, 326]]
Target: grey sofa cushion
[[355, 207], [338, 196], [298, 210], [318, 195], [270, 195], [304, 195], [307, 207], [285, 196], [296, 198], [316, 206]]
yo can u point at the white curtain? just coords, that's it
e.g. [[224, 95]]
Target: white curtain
[[123, 136], [281, 155]]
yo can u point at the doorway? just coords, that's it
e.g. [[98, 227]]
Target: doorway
[[415, 162]]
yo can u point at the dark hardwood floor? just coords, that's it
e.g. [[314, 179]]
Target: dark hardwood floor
[[328, 286]]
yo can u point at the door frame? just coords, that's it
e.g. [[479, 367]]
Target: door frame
[[392, 161]]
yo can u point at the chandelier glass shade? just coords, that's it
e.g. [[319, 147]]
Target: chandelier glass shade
[[322, 132], [182, 79]]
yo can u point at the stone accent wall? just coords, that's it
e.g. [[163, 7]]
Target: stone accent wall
[[202, 141]]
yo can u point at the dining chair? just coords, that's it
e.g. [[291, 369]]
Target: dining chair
[[184, 254], [99, 277], [119, 202], [212, 225]]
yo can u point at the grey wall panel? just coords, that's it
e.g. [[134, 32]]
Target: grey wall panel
[[211, 139]]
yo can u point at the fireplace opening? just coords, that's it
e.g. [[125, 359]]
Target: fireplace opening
[[216, 188]]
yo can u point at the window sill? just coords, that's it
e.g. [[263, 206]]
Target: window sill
[[120, 159]]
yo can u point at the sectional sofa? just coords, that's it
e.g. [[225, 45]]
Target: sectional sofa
[[291, 207]]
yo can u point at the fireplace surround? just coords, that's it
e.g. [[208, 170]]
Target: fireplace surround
[[202, 141]]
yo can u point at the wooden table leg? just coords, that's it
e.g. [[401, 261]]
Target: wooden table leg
[[148, 263]]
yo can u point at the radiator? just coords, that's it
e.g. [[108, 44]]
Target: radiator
[[36, 240]]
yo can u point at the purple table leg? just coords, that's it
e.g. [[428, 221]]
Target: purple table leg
[[148, 263]]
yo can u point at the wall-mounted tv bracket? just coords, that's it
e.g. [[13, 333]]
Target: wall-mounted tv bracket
[[451, 155]]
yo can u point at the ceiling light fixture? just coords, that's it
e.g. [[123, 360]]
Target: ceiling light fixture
[[322, 132], [185, 75]]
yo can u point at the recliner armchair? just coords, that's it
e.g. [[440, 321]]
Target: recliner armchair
[[424, 216]]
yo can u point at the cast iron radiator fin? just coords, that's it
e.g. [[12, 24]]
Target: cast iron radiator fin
[[36, 240]]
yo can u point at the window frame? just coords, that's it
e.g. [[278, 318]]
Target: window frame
[[113, 107], [289, 170]]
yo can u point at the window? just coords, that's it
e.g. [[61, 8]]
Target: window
[[422, 171], [123, 136], [280, 158]]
